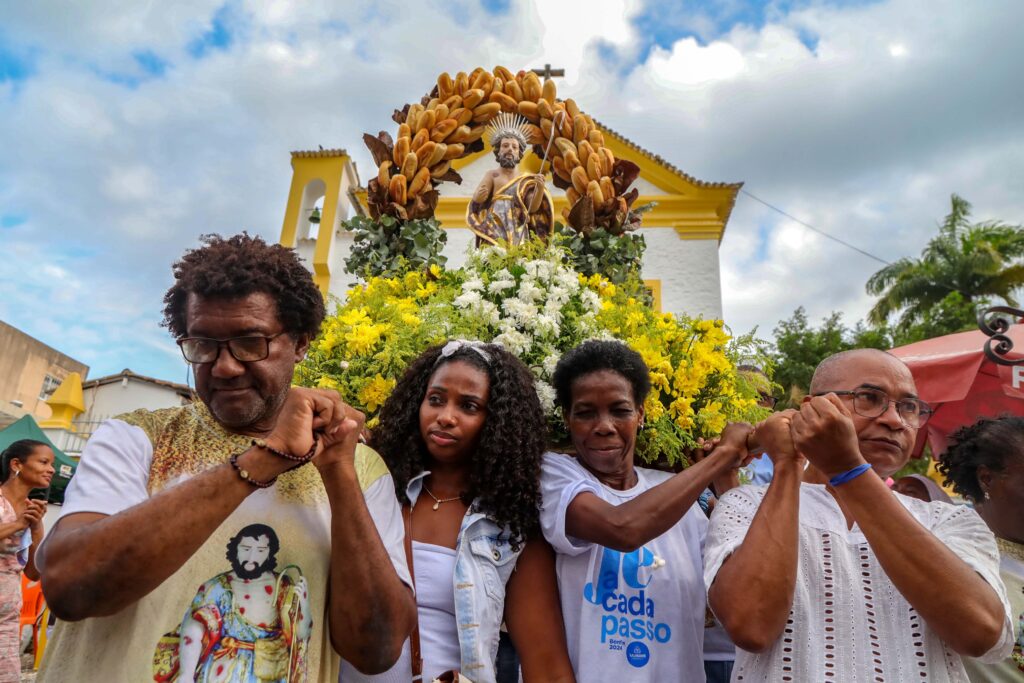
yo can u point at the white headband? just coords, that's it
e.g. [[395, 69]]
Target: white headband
[[451, 347]]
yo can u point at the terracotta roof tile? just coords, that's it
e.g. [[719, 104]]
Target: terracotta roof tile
[[663, 162], [181, 389], [319, 153]]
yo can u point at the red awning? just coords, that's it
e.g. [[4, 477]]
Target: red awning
[[954, 376]]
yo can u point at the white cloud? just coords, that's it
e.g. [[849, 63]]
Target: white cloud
[[571, 29], [689, 63]]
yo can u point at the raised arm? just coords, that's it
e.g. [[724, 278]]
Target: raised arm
[[753, 590], [28, 517], [533, 615], [370, 611], [36, 529], [96, 565], [628, 526], [484, 189], [959, 605]]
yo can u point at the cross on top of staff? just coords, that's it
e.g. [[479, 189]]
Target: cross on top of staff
[[547, 72]]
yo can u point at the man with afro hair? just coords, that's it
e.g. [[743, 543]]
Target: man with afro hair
[[158, 495]]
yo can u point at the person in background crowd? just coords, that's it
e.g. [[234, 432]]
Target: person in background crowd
[[159, 495], [826, 574], [759, 471], [985, 465], [463, 432], [719, 650], [628, 539], [921, 487], [25, 465]]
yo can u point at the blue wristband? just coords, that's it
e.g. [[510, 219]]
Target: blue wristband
[[848, 475]]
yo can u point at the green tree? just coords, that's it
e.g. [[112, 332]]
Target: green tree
[[799, 347], [952, 314], [965, 266]]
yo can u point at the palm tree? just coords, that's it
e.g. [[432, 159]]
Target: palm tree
[[968, 262]]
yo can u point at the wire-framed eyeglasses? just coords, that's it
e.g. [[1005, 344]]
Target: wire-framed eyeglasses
[[868, 402], [246, 349]]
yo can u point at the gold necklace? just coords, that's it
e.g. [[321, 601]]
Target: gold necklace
[[438, 501]]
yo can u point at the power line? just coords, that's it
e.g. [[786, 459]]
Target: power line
[[840, 241], [820, 232]]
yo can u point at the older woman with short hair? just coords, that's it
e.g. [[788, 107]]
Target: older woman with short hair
[[628, 539]]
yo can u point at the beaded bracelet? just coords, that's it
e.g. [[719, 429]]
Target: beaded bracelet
[[261, 443], [244, 474], [299, 461], [844, 477]]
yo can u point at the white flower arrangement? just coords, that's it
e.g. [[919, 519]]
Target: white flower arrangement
[[546, 394], [536, 306]]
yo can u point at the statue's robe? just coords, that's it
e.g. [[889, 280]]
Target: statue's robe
[[506, 217]]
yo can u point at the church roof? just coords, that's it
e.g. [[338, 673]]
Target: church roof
[[319, 153], [657, 158]]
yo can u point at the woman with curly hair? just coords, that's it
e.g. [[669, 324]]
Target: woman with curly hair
[[463, 433], [985, 465], [628, 539]]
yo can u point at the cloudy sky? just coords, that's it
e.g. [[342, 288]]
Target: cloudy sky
[[127, 129]]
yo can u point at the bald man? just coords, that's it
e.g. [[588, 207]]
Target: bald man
[[826, 574]]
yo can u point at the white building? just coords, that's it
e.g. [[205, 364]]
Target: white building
[[106, 397]]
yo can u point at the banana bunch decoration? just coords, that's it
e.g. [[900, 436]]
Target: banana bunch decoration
[[449, 124]]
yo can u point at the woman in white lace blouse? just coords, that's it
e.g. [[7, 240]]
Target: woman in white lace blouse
[[826, 574]]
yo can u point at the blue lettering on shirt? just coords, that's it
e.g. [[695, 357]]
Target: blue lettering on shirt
[[629, 613]]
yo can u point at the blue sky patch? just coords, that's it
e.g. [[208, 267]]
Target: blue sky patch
[[14, 65], [663, 22], [150, 63], [12, 220], [810, 40], [495, 6], [764, 233], [337, 28], [150, 66], [217, 37]]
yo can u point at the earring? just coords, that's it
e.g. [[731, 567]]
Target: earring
[[987, 497], [17, 473]]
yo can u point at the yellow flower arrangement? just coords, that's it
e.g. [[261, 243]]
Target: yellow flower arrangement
[[529, 300]]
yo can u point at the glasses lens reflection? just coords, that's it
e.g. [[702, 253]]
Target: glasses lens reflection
[[244, 349]]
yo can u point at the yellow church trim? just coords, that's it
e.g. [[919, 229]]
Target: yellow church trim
[[655, 287], [328, 167], [66, 403]]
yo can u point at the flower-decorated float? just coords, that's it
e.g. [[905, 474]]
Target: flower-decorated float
[[537, 286]]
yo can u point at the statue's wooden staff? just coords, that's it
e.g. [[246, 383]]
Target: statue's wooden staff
[[535, 202], [559, 115]]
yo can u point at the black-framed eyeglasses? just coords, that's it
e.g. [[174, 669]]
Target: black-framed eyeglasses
[[766, 399], [247, 349], [872, 403]]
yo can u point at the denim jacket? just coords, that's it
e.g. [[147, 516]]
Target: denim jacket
[[484, 561]]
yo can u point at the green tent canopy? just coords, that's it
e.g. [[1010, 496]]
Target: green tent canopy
[[26, 428]]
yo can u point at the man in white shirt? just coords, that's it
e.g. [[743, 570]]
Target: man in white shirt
[[826, 574], [159, 495]]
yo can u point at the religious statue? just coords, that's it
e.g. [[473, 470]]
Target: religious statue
[[509, 206]]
